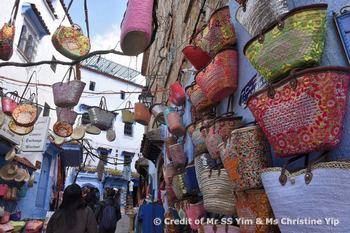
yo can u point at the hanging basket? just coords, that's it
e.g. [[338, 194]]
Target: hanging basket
[[26, 113], [157, 111], [176, 126], [168, 142], [100, 116], [219, 79], [198, 99], [179, 185], [194, 211], [127, 114], [67, 94], [295, 40], [177, 95], [196, 56], [169, 171], [304, 112], [71, 42], [191, 179], [142, 114], [66, 115], [202, 162], [177, 155], [9, 102]]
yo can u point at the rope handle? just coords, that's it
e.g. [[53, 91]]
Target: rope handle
[[70, 73], [14, 12], [26, 88], [86, 18], [103, 103]]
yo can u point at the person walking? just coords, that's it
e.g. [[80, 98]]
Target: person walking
[[108, 213], [73, 215]]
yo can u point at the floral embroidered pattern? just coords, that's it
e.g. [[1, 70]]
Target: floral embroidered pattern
[[7, 35]]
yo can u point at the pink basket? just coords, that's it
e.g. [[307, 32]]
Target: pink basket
[[304, 112], [178, 155], [219, 78], [194, 212], [175, 124], [136, 28], [66, 115]]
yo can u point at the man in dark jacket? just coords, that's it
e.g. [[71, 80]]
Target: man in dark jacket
[[109, 201]]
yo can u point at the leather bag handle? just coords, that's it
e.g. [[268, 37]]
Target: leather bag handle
[[309, 175], [283, 177]]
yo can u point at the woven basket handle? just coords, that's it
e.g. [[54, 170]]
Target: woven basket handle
[[242, 126], [128, 105], [103, 103], [309, 175], [14, 14], [230, 104], [283, 177]]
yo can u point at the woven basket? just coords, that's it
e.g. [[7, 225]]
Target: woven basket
[[191, 179], [176, 126], [142, 114], [218, 33], [177, 155], [254, 204], [218, 131], [168, 142], [127, 114], [169, 171], [219, 79], [198, 99], [247, 152], [7, 35], [196, 136], [136, 27], [202, 162], [177, 95], [296, 40], [255, 15], [100, 116], [196, 56], [66, 115], [170, 196], [157, 111], [208, 228], [179, 185], [194, 211], [217, 190], [304, 112]]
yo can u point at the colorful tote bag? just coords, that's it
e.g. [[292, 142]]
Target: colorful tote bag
[[198, 99], [196, 56], [202, 162], [219, 79], [326, 183], [254, 204], [254, 15], [71, 42], [296, 40], [304, 112], [246, 153], [218, 33], [194, 211]]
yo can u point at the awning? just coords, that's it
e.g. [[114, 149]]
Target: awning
[[71, 155], [152, 144]]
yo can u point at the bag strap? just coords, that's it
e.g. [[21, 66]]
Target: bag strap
[[70, 73], [230, 104], [25, 89], [14, 13], [283, 177], [103, 103], [309, 175], [66, 12], [86, 19]]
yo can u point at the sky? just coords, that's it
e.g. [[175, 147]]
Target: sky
[[105, 17]]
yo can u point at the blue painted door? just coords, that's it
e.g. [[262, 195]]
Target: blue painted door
[[43, 182]]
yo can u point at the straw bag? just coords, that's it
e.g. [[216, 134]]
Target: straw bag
[[63, 129], [170, 195], [16, 213], [218, 33], [9, 102], [71, 42], [253, 204], [157, 111], [219, 79], [128, 116], [209, 228], [217, 192], [198, 99], [296, 40], [246, 153], [169, 171], [218, 131], [179, 185], [26, 113], [177, 95], [136, 27], [175, 124], [100, 116], [7, 35], [191, 179], [254, 15], [194, 211], [68, 94], [3, 189], [177, 155], [326, 183], [202, 162], [196, 136], [66, 115], [196, 56], [168, 142], [142, 114], [304, 112]]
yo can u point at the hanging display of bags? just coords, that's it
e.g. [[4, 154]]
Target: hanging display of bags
[[127, 114], [142, 114], [198, 99], [100, 116], [177, 155], [296, 40], [304, 112]]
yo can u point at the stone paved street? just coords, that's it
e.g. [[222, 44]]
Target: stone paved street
[[123, 224]]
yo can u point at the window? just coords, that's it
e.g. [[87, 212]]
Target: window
[[85, 118], [92, 86], [122, 95], [53, 66], [28, 41], [128, 130]]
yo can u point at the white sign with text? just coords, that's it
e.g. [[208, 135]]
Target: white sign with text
[[6, 133], [36, 140]]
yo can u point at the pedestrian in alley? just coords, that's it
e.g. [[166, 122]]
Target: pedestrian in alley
[[73, 216], [90, 198], [108, 213]]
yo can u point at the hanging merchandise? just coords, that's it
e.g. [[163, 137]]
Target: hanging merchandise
[[127, 114], [9, 102], [79, 131], [196, 136], [209, 228], [254, 15], [15, 194], [177, 95], [142, 114], [177, 155], [7, 35], [21, 175], [110, 136], [91, 129], [16, 213], [168, 142], [2, 118], [8, 173], [219, 79], [136, 27], [5, 218], [3, 189], [295, 40], [59, 140], [178, 185], [10, 155], [157, 111], [31, 180], [62, 129], [18, 225], [254, 204], [198, 99], [219, 32], [244, 154], [20, 130], [196, 56], [202, 162], [191, 179], [169, 171], [326, 183], [8, 193], [170, 195], [175, 123], [218, 130], [217, 190], [304, 112], [68, 94], [66, 115], [195, 211], [100, 170], [71, 42], [100, 116]]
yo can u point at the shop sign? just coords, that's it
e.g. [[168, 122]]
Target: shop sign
[[6, 133], [36, 140], [254, 84]]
